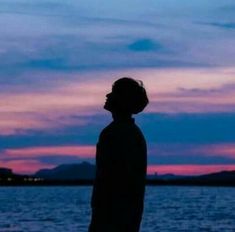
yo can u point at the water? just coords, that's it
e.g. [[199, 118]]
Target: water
[[167, 209]]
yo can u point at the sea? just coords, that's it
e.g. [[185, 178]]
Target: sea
[[167, 209]]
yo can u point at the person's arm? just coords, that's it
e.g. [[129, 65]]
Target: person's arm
[[102, 165]]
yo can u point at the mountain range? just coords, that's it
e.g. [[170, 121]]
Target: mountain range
[[84, 173]]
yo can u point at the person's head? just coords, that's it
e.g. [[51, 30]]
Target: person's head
[[128, 96]]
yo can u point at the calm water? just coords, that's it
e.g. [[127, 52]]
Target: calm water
[[60, 209]]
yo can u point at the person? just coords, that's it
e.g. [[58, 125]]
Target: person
[[121, 158]]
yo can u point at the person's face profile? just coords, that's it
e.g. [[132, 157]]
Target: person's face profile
[[111, 100], [108, 102]]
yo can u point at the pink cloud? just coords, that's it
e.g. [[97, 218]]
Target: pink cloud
[[51, 107], [33, 152], [225, 150]]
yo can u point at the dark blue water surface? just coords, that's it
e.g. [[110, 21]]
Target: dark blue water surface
[[65, 209]]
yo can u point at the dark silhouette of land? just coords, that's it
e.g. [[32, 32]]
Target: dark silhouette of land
[[223, 178], [71, 176]]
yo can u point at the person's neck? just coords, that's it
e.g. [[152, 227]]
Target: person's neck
[[121, 117]]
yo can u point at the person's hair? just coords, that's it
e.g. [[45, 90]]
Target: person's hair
[[131, 94]]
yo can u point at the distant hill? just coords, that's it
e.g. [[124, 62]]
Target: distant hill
[[5, 172], [82, 171], [7, 176], [167, 176], [225, 176]]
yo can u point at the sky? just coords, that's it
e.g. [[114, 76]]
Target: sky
[[58, 60]]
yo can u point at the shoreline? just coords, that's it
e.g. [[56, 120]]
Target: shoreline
[[186, 182]]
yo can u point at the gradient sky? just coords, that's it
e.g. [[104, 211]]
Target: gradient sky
[[58, 60]]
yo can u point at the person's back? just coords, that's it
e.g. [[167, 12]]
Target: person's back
[[118, 193]]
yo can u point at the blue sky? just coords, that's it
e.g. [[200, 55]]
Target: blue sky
[[58, 59]]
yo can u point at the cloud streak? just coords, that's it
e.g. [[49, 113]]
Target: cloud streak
[[197, 154], [32, 152], [75, 38], [51, 107], [227, 25]]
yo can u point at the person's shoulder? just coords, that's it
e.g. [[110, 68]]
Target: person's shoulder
[[107, 130]]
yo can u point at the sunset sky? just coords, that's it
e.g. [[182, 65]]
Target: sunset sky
[[58, 60]]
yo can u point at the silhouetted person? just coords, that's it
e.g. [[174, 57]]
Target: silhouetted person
[[121, 159]]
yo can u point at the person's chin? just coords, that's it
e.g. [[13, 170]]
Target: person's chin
[[107, 107]]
